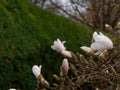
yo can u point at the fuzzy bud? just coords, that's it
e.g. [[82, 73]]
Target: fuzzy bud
[[41, 79]]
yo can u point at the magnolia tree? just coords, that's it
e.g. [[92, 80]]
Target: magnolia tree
[[98, 70]]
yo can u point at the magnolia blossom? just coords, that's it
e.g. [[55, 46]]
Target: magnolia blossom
[[86, 49], [36, 70], [58, 45], [64, 67], [67, 54], [101, 42]]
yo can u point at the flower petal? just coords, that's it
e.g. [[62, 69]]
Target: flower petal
[[36, 70], [58, 45]]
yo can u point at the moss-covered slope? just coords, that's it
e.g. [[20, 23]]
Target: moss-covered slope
[[26, 34]]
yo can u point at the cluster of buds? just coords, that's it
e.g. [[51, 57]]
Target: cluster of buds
[[93, 70]]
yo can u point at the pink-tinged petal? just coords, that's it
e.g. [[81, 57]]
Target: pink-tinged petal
[[86, 49], [66, 54], [58, 45], [101, 42], [95, 34], [53, 47], [65, 67]]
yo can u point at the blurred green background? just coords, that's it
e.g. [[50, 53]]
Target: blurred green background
[[26, 35]]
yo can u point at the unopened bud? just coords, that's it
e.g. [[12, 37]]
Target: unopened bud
[[86, 49], [109, 27], [82, 59], [80, 80], [56, 77], [64, 67], [118, 25], [36, 70], [66, 54], [102, 55], [45, 83], [41, 79], [73, 68]]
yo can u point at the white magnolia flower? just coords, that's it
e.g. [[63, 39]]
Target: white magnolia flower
[[64, 67], [67, 54], [36, 70], [101, 42], [58, 45], [86, 49]]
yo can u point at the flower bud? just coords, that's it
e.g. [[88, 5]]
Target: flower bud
[[58, 46], [56, 77], [86, 49], [64, 67], [102, 55], [36, 70], [109, 27], [41, 80], [66, 54], [45, 83]]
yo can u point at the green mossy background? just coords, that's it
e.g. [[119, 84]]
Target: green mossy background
[[26, 35]]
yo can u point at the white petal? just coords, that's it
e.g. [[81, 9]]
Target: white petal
[[53, 47], [58, 45], [98, 46], [36, 70], [102, 39], [95, 35]]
